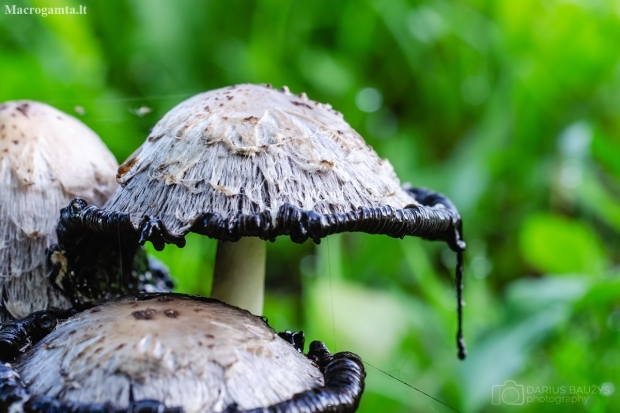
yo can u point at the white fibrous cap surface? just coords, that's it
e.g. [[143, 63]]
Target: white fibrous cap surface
[[46, 158], [247, 149], [199, 355]]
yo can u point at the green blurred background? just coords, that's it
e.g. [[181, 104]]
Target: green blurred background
[[511, 108]]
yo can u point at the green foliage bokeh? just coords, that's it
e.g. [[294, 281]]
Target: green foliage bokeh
[[511, 108]]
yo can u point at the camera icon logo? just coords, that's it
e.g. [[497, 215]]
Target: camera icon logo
[[509, 393]]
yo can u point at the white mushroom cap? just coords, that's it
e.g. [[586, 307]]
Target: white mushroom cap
[[46, 159], [201, 355], [248, 149]]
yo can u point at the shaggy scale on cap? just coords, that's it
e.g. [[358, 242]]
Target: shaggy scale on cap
[[46, 158], [169, 352]]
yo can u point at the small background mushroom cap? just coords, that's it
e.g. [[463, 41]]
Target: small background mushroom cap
[[202, 355], [46, 158], [248, 149]]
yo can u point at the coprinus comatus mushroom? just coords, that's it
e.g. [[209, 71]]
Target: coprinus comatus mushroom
[[46, 158]]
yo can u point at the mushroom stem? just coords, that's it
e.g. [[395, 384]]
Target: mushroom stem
[[239, 273]]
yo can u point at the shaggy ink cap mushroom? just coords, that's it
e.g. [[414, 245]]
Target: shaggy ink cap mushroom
[[249, 163], [170, 352], [46, 158]]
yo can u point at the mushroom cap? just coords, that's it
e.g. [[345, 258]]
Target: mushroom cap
[[46, 158], [248, 149], [198, 354]]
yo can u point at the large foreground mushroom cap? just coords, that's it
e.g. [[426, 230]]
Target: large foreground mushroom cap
[[201, 355], [248, 149], [46, 158]]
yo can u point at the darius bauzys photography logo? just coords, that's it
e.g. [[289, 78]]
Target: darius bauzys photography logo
[[508, 393]]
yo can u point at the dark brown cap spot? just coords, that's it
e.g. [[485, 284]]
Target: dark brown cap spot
[[207, 108], [147, 314], [15, 142], [2, 127], [229, 97], [95, 310], [171, 313], [181, 132], [23, 109], [165, 298], [250, 118], [125, 167], [120, 346], [98, 350], [305, 105]]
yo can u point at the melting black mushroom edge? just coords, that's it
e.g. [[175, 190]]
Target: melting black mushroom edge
[[92, 240], [343, 374]]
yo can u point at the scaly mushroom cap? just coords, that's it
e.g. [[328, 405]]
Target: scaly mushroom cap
[[248, 149], [198, 354], [46, 159]]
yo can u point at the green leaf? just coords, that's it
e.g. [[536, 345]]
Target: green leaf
[[554, 244]]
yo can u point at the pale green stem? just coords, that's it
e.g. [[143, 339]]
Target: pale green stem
[[239, 273]]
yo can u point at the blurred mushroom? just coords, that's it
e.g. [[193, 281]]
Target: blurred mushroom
[[169, 352], [249, 163], [46, 158]]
